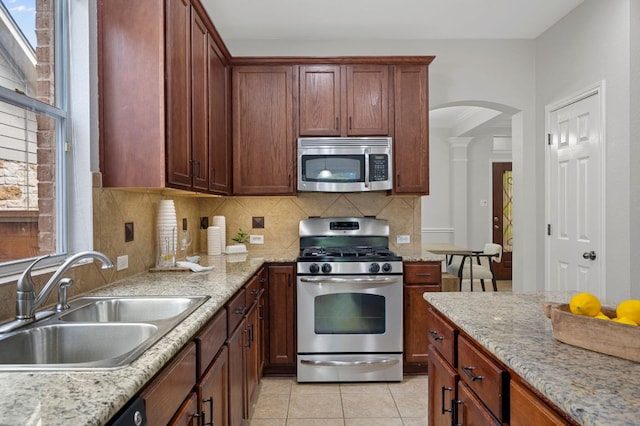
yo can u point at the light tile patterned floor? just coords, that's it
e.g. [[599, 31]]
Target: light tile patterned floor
[[284, 402]]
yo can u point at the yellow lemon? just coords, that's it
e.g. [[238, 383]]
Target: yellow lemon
[[625, 320], [602, 316], [630, 309], [585, 304]]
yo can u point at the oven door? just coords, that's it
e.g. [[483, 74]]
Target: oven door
[[349, 314]]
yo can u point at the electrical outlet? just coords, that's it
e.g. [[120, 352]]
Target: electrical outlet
[[122, 262], [403, 239], [256, 239]]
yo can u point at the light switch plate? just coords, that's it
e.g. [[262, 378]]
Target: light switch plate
[[122, 262], [403, 239], [256, 239]]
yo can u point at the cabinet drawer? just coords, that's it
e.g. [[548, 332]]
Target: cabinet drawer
[[471, 411], [252, 291], [210, 340], [527, 409], [442, 336], [236, 308], [166, 393], [422, 273], [484, 377]]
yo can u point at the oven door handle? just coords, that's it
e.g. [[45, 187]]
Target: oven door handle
[[382, 280], [329, 363]]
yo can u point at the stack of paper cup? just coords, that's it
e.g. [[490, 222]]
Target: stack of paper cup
[[166, 234], [214, 240], [220, 222]]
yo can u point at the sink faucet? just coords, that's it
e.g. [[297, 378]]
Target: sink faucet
[[26, 300]]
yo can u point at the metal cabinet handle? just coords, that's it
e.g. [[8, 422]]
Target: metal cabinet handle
[[444, 389], [204, 418], [469, 372], [589, 255], [435, 335]]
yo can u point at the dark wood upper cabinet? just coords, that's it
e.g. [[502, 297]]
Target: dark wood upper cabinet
[[411, 139], [347, 100], [367, 100], [320, 100], [219, 125], [263, 140], [157, 118]]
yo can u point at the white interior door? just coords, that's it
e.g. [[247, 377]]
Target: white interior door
[[575, 196]]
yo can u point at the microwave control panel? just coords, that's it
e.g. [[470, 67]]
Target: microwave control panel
[[378, 167]]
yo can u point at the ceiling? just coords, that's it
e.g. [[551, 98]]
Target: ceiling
[[336, 20], [385, 19]]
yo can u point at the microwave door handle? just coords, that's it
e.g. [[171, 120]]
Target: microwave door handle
[[366, 167]]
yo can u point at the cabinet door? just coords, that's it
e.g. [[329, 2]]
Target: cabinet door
[[166, 393], [281, 316], [178, 93], [263, 141], [367, 100], [235, 344], [411, 139], [416, 341], [188, 413], [199, 103], [470, 411], [219, 108], [442, 390], [320, 100], [252, 348], [214, 390]]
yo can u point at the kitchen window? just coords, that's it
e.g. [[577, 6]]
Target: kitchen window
[[35, 176]]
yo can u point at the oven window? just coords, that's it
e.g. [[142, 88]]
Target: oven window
[[333, 168], [349, 313]]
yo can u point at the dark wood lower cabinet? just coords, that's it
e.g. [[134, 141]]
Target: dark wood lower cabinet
[[442, 390], [235, 344], [470, 410], [281, 317], [167, 392], [188, 414], [419, 277], [213, 391]]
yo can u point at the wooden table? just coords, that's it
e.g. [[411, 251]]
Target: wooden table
[[450, 250]]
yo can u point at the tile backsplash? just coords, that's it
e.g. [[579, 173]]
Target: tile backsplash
[[112, 208]]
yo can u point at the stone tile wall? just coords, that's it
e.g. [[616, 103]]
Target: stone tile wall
[[112, 208]]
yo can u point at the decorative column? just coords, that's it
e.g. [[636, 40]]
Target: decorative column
[[459, 188]]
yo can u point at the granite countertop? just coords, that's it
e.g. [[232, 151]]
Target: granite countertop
[[94, 397], [592, 388]]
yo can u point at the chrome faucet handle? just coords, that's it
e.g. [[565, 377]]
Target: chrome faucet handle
[[26, 291], [63, 285]]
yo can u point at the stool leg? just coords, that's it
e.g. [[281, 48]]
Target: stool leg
[[495, 285], [482, 284]]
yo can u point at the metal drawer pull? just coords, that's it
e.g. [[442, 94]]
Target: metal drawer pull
[[435, 336], [446, 410], [384, 361], [423, 274], [469, 372]]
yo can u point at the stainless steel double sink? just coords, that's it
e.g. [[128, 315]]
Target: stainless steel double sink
[[94, 333]]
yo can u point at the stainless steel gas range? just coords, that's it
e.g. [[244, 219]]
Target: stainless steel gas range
[[349, 302]]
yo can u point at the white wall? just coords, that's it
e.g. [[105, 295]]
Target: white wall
[[589, 45], [635, 148]]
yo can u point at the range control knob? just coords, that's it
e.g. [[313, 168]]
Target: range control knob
[[314, 268], [326, 268], [374, 268], [386, 267]]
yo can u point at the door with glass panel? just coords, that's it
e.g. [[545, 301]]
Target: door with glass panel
[[503, 218]]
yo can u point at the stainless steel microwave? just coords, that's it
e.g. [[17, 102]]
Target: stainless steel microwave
[[345, 164]]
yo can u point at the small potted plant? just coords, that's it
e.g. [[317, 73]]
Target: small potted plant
[[241, 239]]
